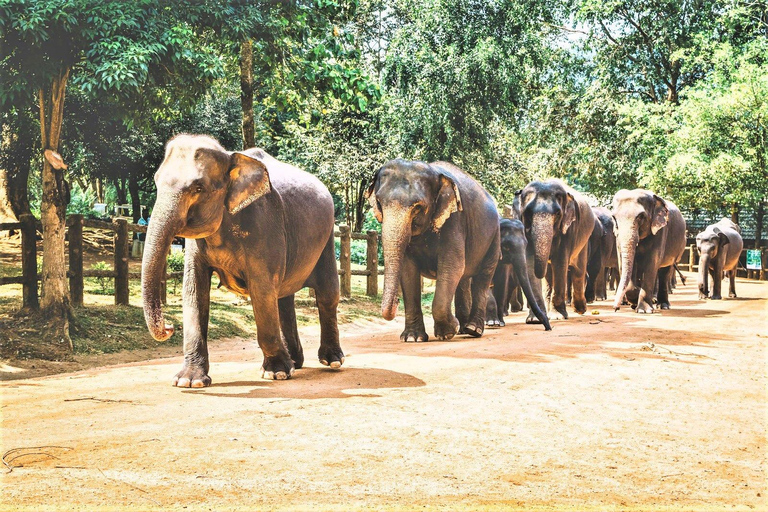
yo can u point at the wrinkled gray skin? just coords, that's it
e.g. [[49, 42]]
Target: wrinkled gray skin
[[439, 223], [511, 271], [719, 247], [602, 245], [265, 227], [650, 238], [558, 223]]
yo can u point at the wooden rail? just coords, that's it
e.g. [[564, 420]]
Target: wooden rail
[[28, 226], [690, 262]]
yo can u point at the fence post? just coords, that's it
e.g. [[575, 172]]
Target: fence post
[[691, 257], [76, 260], [345, 260], [121, 262], [29, 261], [372, 263]]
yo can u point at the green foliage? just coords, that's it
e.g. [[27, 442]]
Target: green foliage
[[175, 262], [81, 202], [104, 282]]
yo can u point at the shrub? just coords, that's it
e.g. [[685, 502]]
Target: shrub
[[175, 262], [103, 281]]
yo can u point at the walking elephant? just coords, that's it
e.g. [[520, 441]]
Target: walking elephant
[[511, 271], [439, 223], [265, 227], [719, 247], [558, 222], [602, 245], [650, 239]]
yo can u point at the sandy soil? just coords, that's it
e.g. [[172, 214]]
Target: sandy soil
[[614, 411]]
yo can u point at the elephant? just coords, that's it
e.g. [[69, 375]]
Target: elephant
[[558, 223], [602, 245], [719, 247], [265, 227], [511, 271], [439, 223], [650, 239]]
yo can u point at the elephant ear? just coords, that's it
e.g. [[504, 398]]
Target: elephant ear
[[569, 212], [370, 195], [722, 236], [448, 201], [248, 181], [660, 214]]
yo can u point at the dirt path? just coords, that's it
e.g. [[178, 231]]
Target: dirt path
[[612, 411]]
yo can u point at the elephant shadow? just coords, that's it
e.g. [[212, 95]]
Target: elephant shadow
[[314, 383]]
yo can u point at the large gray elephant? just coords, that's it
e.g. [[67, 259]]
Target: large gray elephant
[[719, 247], [602, 246], [439, 223], [511, 271], [650, 239], [265, 227], [558, 221]]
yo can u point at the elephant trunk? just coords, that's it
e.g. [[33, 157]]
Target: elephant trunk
[[627, 240], [704, 276], [163, 225], [542, 233], [395, 236], [521, 273]]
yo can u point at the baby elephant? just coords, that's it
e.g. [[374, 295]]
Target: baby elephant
[[719, 246], [512, 270]]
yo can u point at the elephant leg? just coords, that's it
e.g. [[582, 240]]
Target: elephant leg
[[578, 273], [548, 280], [277, 363], [287, 309], [492, 312], [648, 278], [717, 280], [463, 302], [410, 282], [559, 268], [196, 311], [325, 281], [515, 295], [599, 286], [450, 268], [732, 284], [480, 283], [663, 283], [536, 291]]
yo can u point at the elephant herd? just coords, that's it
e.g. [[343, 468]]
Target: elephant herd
[[266, 229]]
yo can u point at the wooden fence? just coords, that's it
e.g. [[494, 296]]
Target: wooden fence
[[28, 226], [690, 262]]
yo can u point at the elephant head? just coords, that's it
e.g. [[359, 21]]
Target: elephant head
[[547, 210], [709, 244], [196, 182], [409, 198], [638, 214]]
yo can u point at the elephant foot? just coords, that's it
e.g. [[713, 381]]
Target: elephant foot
[[445, 330], [717, 297], [474, 329], [414, 334], [644, 308], [732, 295], [278, 367], [559, 313], [192, 377], [702, 296], [494, 323], [664, 305], [579, 307], [331, 356], [532, 319]]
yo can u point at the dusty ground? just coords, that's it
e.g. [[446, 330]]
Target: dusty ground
[[614, 411]]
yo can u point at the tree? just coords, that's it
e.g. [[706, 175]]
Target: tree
[[107, 47]]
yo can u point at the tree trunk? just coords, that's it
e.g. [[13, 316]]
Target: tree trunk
[[759, 225], [735, 213], [55, 296], [360, 207], [122, 195], [246, 93], [133, 188], [16, 146], [6, 209]]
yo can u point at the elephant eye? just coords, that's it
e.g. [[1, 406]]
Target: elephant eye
[[198, 189]]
